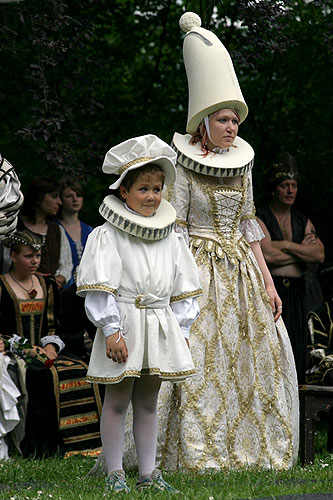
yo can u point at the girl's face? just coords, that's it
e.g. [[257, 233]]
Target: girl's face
[[144, 196], [223, 126], [50, 204], [26, 261], [71, 201]]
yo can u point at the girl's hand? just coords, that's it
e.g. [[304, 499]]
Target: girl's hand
[[117, 351], [36, 349], [2, 347], [50, 351], [275, 301]]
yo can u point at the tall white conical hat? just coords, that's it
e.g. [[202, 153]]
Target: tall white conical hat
[[212, 81]]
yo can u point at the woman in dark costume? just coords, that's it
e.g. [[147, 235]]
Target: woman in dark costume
[[63, 410]]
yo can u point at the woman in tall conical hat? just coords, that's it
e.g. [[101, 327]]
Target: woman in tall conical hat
[[241, 408]]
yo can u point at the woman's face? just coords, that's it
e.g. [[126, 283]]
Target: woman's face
[[71, 201], [223, 126], [26, 261], [50, 204]]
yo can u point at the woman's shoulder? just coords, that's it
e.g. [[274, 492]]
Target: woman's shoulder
[[85, 225]]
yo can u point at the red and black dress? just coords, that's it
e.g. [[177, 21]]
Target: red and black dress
[[63, 412]]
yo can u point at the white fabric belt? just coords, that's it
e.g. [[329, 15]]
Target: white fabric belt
[[147, 301]]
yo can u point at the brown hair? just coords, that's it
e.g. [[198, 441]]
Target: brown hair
[[70, 183], [19, 247], [36, 193], [133, 175]]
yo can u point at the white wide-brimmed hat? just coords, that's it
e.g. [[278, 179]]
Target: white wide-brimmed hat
[[136, 152], [212, 81]]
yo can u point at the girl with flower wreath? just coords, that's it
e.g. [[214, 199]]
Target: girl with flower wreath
[[62, 412]]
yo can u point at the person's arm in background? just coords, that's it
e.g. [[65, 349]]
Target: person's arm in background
[[310, 250], [274, 256], [64, 271], [11, 198], [274, 299]]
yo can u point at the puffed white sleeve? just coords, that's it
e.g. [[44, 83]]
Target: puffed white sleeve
[[186, 312], [65, 260], [249, 226], [53, 339], [103, 311], [100, 267], [11, 198]]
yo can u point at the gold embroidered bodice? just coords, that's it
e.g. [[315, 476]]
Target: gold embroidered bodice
[[222, 222]]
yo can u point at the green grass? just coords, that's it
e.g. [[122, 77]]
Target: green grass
[[61, 479]]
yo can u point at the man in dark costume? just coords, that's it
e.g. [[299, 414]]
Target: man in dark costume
[[289, 246]]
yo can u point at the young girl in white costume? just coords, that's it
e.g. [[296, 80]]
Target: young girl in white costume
[[140, 282]]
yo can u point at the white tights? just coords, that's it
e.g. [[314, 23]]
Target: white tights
[[144, 393]]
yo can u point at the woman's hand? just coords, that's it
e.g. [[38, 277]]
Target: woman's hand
[[60, 280], [117, 351], [2, 347], [275, 301], [50, 351]]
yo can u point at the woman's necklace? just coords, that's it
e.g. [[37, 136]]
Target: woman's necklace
[[30, 291]]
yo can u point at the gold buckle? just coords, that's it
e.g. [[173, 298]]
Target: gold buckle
[[138, 302]]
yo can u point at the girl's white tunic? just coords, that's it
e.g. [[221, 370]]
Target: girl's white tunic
[[145, 276]]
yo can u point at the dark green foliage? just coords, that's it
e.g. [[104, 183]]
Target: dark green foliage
[[78, 77]]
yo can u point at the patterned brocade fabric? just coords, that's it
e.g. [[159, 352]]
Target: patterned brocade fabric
[[241, 407]]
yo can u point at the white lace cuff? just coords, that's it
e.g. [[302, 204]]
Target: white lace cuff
[[251, 230], [52, 339]]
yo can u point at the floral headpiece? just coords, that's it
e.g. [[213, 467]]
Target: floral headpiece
[[27, 238]]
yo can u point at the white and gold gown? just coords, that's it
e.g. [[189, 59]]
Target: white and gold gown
[[241, 407]]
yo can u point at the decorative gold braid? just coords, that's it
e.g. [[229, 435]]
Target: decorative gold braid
[[50, 312], [133, 162], [248, 217], [104, 288], [180, 222], [186, 295], [56, 388], [137, 373]]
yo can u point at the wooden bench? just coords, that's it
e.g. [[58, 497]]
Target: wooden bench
[[314, 399]]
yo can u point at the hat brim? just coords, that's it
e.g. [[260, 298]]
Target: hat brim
[[165, 163]]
